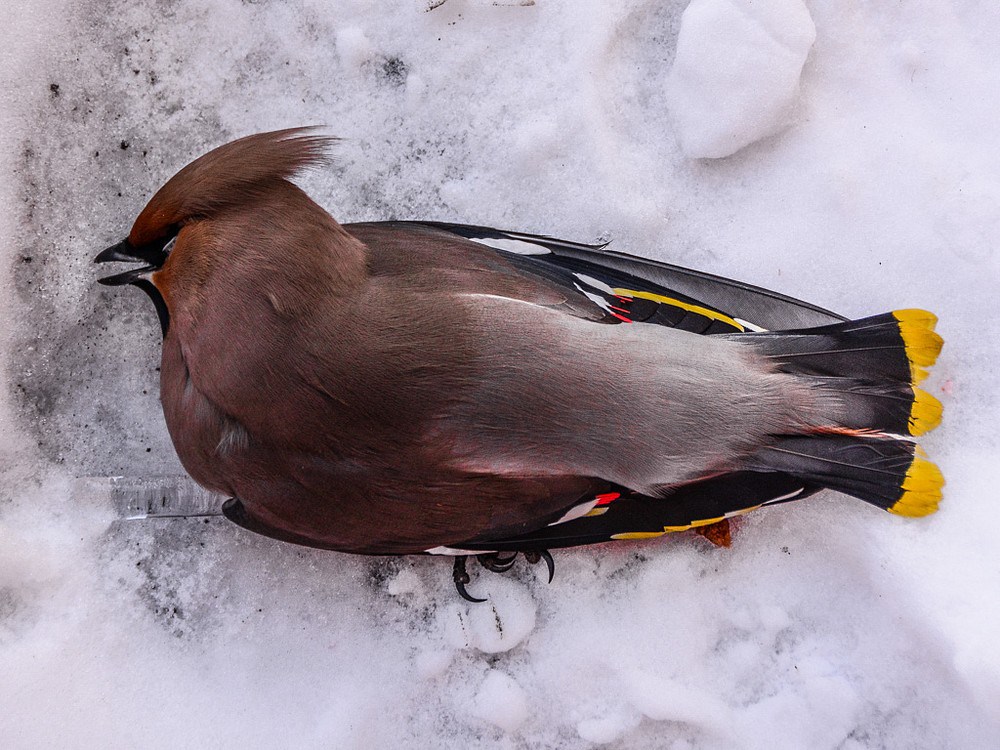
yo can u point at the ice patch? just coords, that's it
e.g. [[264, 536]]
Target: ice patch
[[736, 73]]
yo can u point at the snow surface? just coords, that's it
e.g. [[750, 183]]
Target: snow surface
[[827, 625]]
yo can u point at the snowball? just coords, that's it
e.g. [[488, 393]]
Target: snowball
[[736, 73], [405, 582], [502, 621], [501, 702], [661, 699], [606, 729]]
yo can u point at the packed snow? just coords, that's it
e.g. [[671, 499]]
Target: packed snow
[[735, 76], [855, 162]]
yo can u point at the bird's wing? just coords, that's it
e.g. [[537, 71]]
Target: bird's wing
[[687, 299], [619, 514], [629, 289]]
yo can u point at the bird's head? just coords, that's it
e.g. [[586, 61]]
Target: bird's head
[[229, 175]]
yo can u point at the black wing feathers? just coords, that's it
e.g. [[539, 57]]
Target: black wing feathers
[[761, 307]]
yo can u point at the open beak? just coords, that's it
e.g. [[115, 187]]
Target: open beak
[[123, 252]]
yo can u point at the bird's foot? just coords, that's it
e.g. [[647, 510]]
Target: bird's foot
[[495, 563], [461, 578], [534, 557]]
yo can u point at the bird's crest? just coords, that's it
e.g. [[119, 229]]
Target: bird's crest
[[228, 175]]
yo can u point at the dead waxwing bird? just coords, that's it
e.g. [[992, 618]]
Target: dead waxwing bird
[[413, 387]]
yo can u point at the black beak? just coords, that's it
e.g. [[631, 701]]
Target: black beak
[[123, 252], [153, 257]]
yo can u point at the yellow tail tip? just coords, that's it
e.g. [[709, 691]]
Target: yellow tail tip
[[916, 327], [916, 316], [925, 413], [921, 489]]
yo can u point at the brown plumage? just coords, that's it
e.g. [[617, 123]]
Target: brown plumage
[[393, 388]]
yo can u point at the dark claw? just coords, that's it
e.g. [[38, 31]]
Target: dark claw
[[549, 563], [533, 558], [496, 564], [461, 577]]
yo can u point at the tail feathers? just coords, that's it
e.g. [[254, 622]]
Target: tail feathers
[[887, 407], [923, 345], [925, 413], [867, 369], [889, 473], [896, 346]]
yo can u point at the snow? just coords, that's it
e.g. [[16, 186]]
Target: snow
[[865, 179], [501, 702], [735, 76]]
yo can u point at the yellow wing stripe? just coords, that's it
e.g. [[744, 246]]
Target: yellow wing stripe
[[672, 529], [712, 314]]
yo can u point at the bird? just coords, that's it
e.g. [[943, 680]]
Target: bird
[[414, 387]]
